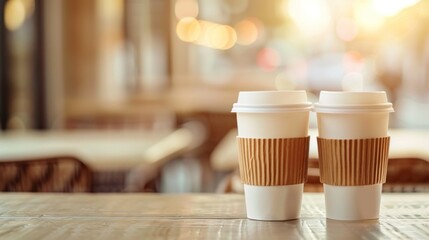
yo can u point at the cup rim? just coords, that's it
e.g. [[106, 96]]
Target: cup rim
[[271, 108], [354, 108]]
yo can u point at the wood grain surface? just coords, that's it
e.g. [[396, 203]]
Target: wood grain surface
[[195, 216]]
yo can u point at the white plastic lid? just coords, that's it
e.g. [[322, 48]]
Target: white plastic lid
[[271, 102], [352, 102]]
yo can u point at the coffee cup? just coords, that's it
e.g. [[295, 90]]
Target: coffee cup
[[353, 146], [273, 146]]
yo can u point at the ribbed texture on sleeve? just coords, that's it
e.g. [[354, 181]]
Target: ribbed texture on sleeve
[[273, 161], [353, 162]]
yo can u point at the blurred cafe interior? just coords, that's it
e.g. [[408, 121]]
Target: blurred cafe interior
[[136, 95]]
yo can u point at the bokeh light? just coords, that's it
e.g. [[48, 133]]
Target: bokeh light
[[388, 8], [268, 59], [204, 38], [206, 33], [219, 37], [14, 14], [370, 15], [29, 7], [312, 17], [367, 18], [188, 29], [247, 32], [232, 37], [186, 8]]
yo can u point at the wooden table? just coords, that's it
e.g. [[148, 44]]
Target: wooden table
[[202, 216]]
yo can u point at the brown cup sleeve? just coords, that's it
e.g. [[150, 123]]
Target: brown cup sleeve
[[353, 162], [273, 161]]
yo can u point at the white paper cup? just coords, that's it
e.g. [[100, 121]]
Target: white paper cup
[[352, 203], [273, 203], [352, 115], [272, 114]]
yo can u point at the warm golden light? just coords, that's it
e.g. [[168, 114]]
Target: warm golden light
[[188, 29], [370, 14], [367, 18], [205, 33], [219, 37], [14, 14], [388, 8], [312, 17], [247, 32], [206, 29], [29, 7], [186, 8], [232, 39]]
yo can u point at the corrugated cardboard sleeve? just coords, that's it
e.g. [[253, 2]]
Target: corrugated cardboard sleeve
[[273, 161], [353, 162]]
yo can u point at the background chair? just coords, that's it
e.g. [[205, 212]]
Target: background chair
[[407, 175], [50, 174]]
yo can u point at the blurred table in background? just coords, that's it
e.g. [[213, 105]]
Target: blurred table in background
[[100, 150], [110, 154], [199, 216]]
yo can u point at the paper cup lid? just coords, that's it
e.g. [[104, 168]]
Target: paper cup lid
[[271, 102], [352, 102]]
